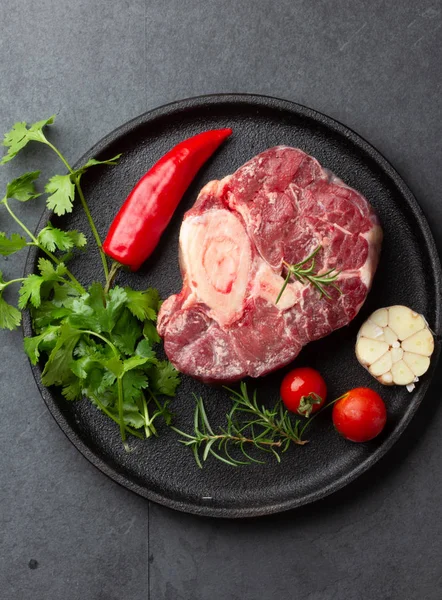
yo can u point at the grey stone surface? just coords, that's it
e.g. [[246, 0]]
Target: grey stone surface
[[376, 67], [85, 62]]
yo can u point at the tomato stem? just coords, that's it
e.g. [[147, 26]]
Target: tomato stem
[[320, 411]]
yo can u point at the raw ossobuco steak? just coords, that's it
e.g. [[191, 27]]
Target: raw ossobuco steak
[[280, 206]]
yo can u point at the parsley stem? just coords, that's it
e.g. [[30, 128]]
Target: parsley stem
[[92, 226], [17, 220], [109, 414], [120, 408], [75, 281], [105, 340], [5, 284], [60, 155], [112, 273], [119, 382], [76, 181], [155, 399], [147, 431]]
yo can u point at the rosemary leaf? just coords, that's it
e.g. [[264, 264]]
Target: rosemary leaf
[[307, 275]]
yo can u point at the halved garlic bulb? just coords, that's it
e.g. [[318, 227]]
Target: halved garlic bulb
[[395, 345]]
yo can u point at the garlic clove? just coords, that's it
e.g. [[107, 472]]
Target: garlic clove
[[402, 375], [418, 364], [389, 336], [382, 365], [404, 322], [420, 343], [380, 317], [372, 331], [369, 351], [396, 354], [386, 379]]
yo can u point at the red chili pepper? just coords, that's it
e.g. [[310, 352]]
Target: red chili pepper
[[137, 228]]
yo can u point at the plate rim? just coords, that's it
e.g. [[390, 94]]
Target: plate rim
[[347, 478]]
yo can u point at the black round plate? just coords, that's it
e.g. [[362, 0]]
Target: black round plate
[[163, 470]]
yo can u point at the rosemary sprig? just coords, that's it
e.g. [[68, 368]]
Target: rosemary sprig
[[269, 430], [306, 274]]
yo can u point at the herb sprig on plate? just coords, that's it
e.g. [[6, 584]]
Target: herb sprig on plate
[[251, 429], [305, 273], [96, 342]]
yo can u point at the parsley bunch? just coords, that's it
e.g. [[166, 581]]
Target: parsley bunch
[[97, 342]]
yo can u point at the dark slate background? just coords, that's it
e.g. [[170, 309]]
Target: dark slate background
[[66, 530]]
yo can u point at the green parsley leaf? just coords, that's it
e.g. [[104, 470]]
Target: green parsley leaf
[[30, 291], [126, 333], [15, 140], [106, 383], [134, 362], [97, 387], [36, 129], [132, 415], [106, 310], [133, 382], [93, 162], [99, 400], [82, 315], [57, 369], [45, 340], [82, 366], [73, 391], [150, 333], [95, 311], [10, 317], [144, 349], [87, 346], [115, 366], [90, 367], [19, 136], [78, 239], [62, 193], [117, 298], [163, 378], [143, 305], [52, 238], [12, 244], [48, 313], [23, 188], [64, 294], [49, 272], [46, 268]]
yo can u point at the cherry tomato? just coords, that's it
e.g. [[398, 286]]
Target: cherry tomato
[[303, 390], [360, 415]]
